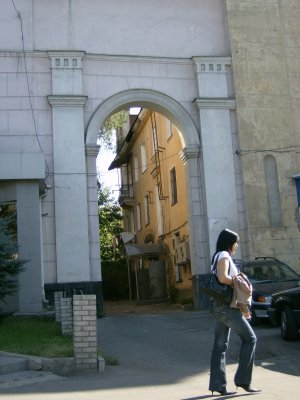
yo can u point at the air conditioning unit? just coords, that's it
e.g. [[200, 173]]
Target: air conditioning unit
[[182, 252]]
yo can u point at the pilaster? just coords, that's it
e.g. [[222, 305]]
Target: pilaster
[[70, 177], [215, 104], [191, 158], [91, 152]]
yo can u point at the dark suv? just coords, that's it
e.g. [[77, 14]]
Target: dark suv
[[285, 311], [268, 276]]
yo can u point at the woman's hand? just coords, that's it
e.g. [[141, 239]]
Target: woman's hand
[[222, 272]]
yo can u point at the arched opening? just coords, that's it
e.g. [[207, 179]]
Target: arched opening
[[150, 99], [188, 156]]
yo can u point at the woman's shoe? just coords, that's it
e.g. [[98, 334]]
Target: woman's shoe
[[248, 388], [222, 392]]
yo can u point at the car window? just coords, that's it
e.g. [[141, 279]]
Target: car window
[[270, 271]]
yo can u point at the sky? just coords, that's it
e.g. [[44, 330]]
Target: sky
[[105, 157], [108, 178]]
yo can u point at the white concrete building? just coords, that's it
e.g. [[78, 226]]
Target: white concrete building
[[65, 66]]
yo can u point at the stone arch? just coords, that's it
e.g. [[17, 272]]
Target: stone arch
[[190, 155], [146, 98]]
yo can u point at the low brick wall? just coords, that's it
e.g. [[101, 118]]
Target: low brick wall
[[66, 309], [57, 297], [85, 331]]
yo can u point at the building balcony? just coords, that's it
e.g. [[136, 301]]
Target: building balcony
[[126, 198]]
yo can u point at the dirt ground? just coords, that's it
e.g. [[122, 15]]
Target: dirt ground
[[127, 307]]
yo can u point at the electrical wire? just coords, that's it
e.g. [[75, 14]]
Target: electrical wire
[[28, 86], [286, 149]]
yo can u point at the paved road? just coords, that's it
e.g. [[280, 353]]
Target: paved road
[[164, 354]]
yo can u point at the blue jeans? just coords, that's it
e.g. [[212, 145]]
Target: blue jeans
[[226, 319]]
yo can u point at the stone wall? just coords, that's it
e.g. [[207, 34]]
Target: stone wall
[[266, 57]]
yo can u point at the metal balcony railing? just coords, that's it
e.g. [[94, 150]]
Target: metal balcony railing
[[126, 191]]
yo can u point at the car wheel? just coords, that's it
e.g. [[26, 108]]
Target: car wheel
[[254, 320], [288, 326]]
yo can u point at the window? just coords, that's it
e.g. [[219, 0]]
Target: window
[[135, 169], [138, 217], [273, 194], [169, 129], [178, 273], [143, 158], [173, 182], [158, 213], [146, 207], [9, 211], [132, 225]]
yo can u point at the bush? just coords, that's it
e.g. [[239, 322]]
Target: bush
[[10, 264], [115, 280]]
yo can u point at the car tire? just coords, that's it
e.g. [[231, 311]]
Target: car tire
[[288, 325], [255, 321]]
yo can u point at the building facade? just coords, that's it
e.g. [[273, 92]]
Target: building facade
[[153, 199], [224, 72]]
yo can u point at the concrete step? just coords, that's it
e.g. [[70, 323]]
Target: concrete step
[[12, 364], [26, 378]]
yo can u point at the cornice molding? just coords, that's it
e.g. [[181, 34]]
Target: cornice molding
[[211, 65], [67, 101], [189, 152], [215, 103], [66, 59], [92, 150]]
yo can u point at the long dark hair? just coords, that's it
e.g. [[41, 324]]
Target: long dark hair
[[225, 241]]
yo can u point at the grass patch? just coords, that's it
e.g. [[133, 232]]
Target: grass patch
[[111, 361], [34, 336]]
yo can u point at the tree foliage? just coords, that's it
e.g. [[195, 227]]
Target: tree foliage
[[10, 264], [110, 222], [112, 123]]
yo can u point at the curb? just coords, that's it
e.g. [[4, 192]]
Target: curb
[[59, 365]]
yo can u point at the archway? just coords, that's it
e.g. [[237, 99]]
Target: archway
[[154, 100], [190, 156]]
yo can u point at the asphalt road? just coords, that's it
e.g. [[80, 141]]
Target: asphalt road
[[164, 354]]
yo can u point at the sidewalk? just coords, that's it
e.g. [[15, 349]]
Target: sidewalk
[[164, 355]]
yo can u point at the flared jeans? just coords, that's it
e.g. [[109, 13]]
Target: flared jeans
[[226, 319]]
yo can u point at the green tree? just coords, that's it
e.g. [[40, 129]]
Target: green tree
[[10, 264], [113, 262], [110, 222], [107, 132]]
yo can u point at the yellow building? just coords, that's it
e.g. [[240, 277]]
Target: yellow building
[[153, 199]]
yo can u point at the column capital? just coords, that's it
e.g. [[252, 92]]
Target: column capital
[[211, 65], [213, 76], [215, 103], [92, 150], [66, 59], [189, 152], [67, 100]]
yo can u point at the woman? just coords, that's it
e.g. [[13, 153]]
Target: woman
[[229, 318]]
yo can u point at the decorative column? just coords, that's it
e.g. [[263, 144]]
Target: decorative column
[[91, 152], [191, 158], [197, 237], [70, 181], [215, 104]]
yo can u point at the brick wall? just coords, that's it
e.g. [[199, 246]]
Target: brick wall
[[85, 331], [66, 315]]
